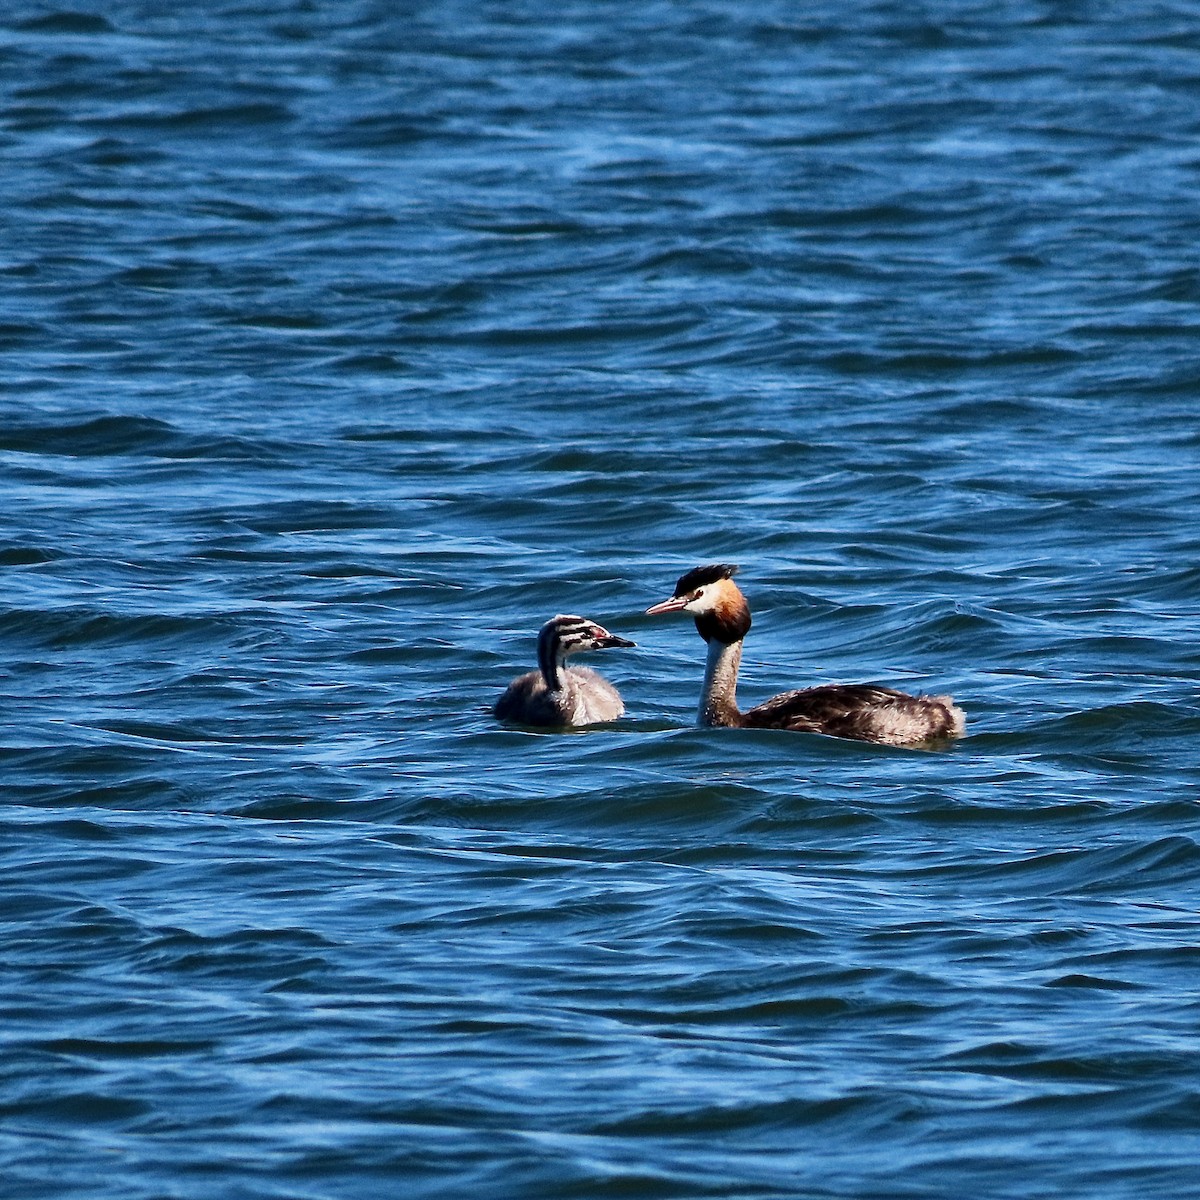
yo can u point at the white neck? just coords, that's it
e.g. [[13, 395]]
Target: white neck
[[718, 700]]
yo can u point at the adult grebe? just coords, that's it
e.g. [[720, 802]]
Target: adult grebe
[[863, 711], [556, 694]]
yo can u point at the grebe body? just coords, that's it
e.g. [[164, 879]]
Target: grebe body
[[556, 694], [864, 712]]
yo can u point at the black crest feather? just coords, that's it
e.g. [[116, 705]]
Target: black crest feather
[[699, 577]]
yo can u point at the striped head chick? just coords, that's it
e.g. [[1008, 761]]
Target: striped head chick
[[560, 695]]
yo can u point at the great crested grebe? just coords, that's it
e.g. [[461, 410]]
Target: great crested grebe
[[556, 694], [863, 711]]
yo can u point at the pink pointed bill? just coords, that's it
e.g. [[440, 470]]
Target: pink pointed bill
[[675, 604]]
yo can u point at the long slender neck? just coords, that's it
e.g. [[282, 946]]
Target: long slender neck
[[550, 658], [718, 701]]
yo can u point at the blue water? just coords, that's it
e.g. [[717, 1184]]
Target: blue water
[[345, 343]]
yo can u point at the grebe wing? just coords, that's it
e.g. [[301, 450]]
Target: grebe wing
[[862, 711], [525, 700], [816, 707]]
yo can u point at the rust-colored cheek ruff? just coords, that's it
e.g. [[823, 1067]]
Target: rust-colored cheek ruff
[[728, 620]]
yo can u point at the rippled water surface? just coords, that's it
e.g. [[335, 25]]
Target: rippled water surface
[[343, 344]]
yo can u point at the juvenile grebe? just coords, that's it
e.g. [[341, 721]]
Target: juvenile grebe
[[556, 694], [863, 711]]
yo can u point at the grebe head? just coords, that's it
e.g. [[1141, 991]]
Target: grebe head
[[570, 634], [714, 600], [563, 635]]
